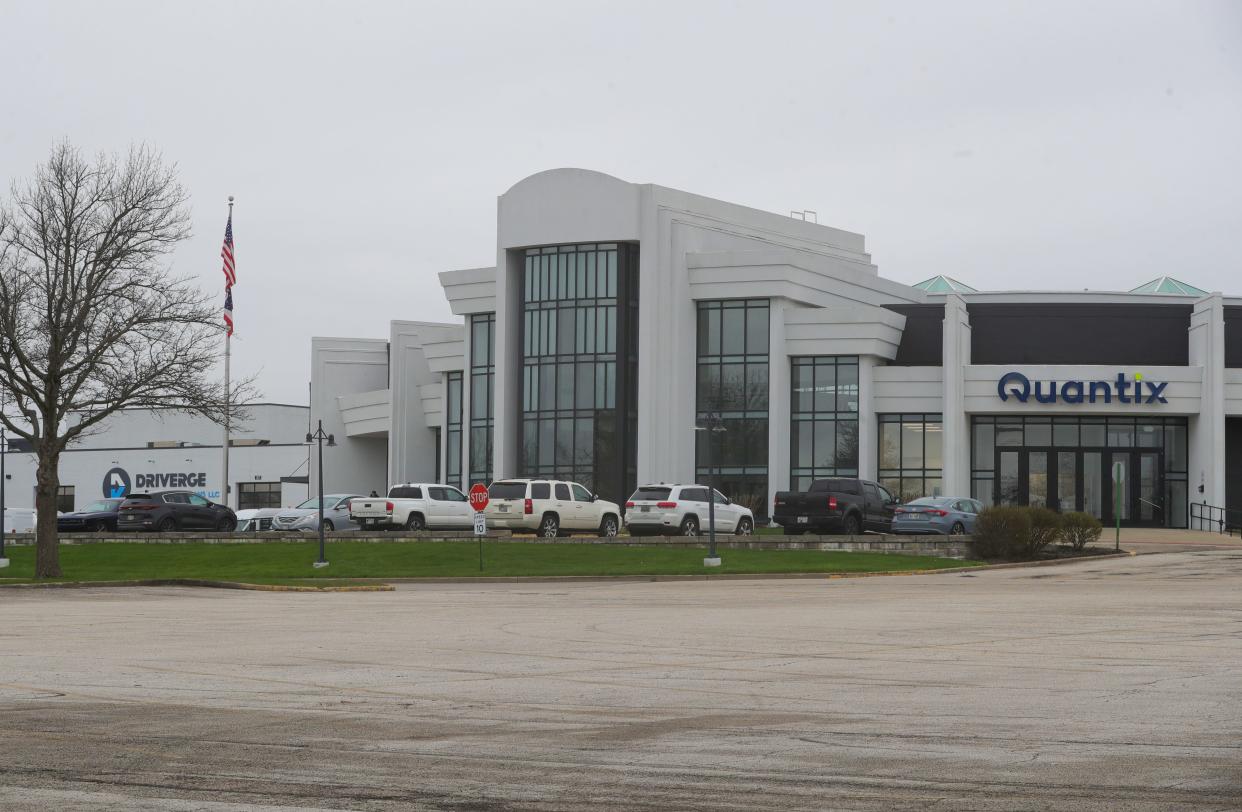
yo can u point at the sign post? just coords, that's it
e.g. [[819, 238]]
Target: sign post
[[1119, 483], [478, 501]]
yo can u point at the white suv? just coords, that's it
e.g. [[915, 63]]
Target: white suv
[[550, 508], [683, 510]]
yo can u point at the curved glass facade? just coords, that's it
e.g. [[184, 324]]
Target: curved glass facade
[[579, 365]]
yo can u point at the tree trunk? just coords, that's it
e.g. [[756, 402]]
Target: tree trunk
[[47, 543]]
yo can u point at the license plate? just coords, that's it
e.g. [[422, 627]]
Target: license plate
[[645, 509], [918, 517], [801, 520], [504, 508]]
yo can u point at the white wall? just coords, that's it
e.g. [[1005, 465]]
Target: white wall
[[343, 367]]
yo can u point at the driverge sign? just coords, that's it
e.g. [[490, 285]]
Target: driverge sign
[[117, 482], [1018, 386]]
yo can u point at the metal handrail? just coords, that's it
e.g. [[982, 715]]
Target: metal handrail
[[1214, 519]]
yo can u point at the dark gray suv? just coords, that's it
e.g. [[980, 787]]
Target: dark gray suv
[[173, 510]]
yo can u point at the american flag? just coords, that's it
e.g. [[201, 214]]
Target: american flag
[[230, 271], [228, 309]]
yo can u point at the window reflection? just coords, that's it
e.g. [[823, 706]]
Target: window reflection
[[911, 455]]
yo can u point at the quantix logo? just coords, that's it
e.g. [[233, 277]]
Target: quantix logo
[[1125, 390]]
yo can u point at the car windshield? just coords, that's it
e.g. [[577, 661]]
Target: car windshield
[[935, 501], [651, 494], [507, 490], [102, 506], [313, 504]]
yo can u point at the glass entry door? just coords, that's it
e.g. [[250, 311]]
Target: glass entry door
[[1082, 479]]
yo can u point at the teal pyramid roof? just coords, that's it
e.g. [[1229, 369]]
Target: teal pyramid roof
[[1167, 284], [944, 284]]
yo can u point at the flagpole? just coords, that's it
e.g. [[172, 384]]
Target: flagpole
[[228, 338]]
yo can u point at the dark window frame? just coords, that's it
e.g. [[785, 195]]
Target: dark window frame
[[842, 416], [258, 495], [903, 480], [482, 375]]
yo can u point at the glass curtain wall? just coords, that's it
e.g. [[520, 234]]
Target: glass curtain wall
[[823, 419], [452, 454], [733, 387], [1065, 463], [482, 387], [579, 366], [912, 455]]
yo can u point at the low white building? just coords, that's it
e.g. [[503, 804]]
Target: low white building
[[619, 316], [156, 449]]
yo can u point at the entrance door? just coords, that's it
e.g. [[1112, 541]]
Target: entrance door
[[1142, 492]]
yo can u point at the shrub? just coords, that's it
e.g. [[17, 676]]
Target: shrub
[[1002, 532], [1080, 529], [1045, 529]]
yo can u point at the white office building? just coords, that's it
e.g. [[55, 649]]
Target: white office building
[[144, 450], [619, 316]]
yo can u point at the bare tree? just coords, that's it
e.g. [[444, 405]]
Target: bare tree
[[91, 320]]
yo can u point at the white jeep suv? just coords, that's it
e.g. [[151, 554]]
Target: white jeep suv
[[683, 510], [550, 508]]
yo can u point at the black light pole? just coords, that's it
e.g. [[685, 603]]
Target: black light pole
[[318, 436], [712, 428], [4, 451]]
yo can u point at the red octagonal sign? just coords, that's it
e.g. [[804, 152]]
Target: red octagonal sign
[[478, 496]]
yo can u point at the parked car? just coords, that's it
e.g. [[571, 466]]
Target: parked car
[[683, 510], [947, 515], [835, 505], [550, 508], [256, 520], [96, 517], [414, 506], [305, 517], [173, 510]]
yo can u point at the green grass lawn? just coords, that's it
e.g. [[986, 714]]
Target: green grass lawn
[[291, 562]]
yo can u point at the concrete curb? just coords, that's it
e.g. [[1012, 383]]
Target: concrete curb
[[378, 587]]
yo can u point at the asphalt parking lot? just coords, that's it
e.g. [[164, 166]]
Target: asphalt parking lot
[[1111, 684]]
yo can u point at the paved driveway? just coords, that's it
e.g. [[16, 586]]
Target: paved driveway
[[1099, 685]]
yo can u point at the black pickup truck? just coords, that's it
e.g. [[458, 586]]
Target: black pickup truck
[[835, 505]]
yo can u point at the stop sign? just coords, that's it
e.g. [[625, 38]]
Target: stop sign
[[478, 496]]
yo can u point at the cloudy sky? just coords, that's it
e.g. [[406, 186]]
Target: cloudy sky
[[1009, 144]]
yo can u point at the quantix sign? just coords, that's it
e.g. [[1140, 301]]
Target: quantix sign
[[1122, 389]]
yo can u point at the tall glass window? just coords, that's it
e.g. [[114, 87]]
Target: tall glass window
[[823, 419], [733, 386], [452, 405], [482, 386], [579, 365], [911, 455]]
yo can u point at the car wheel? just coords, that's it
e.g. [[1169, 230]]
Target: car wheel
[[550, 527], [414, 523], [98, 527], [608, 528], [167, 525], [745, 527], [958, 529], [328, 527], [853, 527], [227, 524], [689, 526]]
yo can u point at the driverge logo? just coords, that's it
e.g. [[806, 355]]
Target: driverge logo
[[116, 483], [1018, 386]]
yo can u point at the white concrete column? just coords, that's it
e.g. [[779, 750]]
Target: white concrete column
[[779, 385], [956, 357], [1207, 431], [868, 425], [508, 394]]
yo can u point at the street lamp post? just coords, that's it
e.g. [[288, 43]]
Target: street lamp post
[[318, 436], [4, 452], [714, 426]]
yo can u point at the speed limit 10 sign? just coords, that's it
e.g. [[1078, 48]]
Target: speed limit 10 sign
[[478, 496]]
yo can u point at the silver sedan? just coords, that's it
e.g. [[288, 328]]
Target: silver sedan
[[305, 517]]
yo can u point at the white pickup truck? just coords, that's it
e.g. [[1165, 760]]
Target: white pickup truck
[[414, 506]]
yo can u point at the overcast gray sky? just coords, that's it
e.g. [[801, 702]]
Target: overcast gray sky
[[1011, 145]]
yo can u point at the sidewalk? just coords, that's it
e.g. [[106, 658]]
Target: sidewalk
[[1144, 540]]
